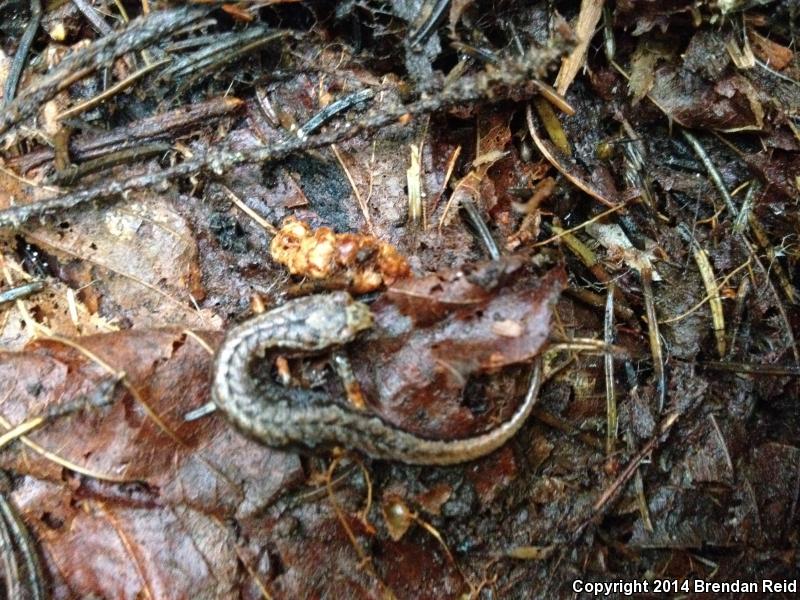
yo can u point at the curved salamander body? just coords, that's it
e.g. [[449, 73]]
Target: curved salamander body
[[313, 324]]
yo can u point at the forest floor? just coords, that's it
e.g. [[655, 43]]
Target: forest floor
[[606, 189]]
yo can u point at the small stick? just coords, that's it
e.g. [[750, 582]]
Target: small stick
[[486, 86], [113, 90], [93, 16], [139, 34], [608, 497], [160, 126], [740, 225], [611, 398], [420, 36], [713, 173], [477, 222], [654, 337], [752, 368], [266, 225], [712, 290], [128, 155], [333, 109], [741, 297], [560, 167], [21, 291], [623, 313], [24, 48], [359, 199], [566, 232], [416, 207]]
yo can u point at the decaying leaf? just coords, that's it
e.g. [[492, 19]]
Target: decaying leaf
[[643, 63], [772, 53], [408, 370]]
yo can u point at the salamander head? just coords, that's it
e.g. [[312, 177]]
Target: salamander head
[[328, 319]]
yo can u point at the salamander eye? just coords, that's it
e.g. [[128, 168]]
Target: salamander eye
[[359, 317]]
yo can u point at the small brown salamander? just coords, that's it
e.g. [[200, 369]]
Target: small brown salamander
[[313, 324]]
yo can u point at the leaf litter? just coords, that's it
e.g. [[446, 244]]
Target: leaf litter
[[150, 153]]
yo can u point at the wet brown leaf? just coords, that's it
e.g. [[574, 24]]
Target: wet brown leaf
[[417, 375]]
